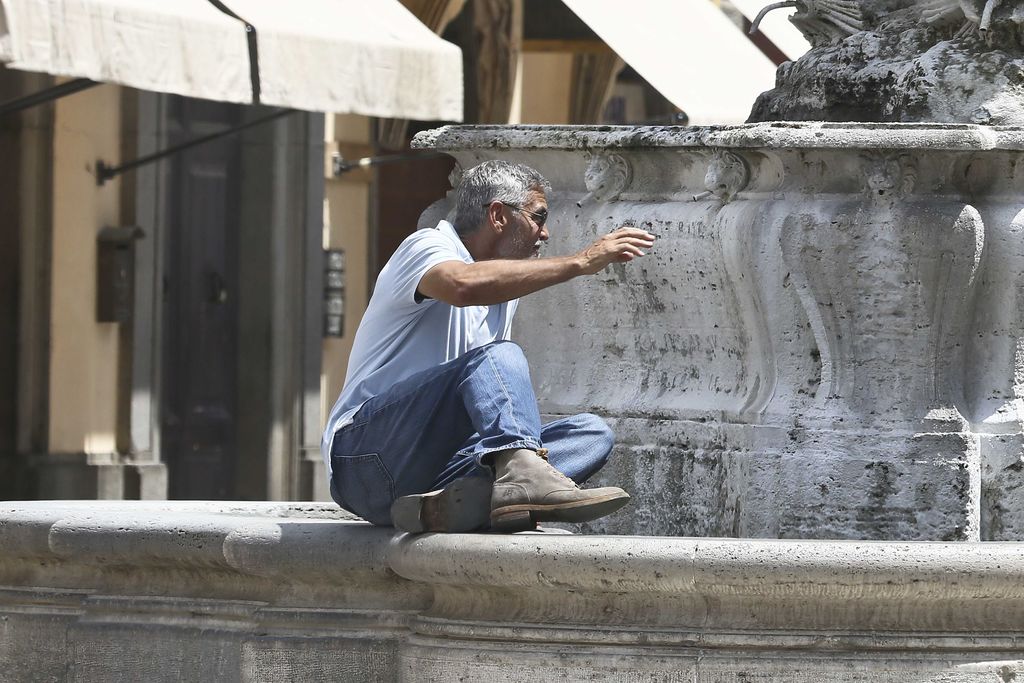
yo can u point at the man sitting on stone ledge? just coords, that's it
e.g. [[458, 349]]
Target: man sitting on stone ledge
[[437, 427]]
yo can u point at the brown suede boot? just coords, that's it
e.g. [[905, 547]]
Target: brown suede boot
[[459, 507], [528, 490]]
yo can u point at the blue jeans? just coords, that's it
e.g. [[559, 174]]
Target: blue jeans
[[437, 425]]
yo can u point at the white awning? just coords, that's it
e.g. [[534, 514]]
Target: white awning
[[686, 49], [185, 47], [6, 54], [776, 26], [364, 56], [345, 56]]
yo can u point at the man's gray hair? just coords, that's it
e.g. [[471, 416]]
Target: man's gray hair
[[493, 181]]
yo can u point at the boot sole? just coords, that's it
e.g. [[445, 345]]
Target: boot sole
[[463, 505], [523, 517]]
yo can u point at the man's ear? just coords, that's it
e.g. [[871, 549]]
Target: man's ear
[[497, 218]]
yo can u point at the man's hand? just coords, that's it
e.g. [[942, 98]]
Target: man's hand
[[624, 244]]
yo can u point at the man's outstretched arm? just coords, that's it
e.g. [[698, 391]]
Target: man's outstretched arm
[[485, 283]]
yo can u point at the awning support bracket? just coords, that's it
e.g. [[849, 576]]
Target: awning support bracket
[[46, 95], [340, 165], [105, 172]]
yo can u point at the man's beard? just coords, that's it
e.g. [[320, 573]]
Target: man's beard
[[519, 246]]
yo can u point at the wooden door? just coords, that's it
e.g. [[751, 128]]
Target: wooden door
[[199, 417]]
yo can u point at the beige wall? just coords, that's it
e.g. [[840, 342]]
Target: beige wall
[[83, 365], [347, 227], [544, 88]]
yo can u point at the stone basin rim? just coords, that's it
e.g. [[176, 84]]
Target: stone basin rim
[[769, 135], [264, 542]]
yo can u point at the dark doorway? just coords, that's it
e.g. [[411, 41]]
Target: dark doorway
[[200, 289], [10, 248], [404, 191], [26, 233]]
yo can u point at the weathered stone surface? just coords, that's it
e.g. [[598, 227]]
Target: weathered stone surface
[[196, 591], [825, 345], [948, 61], [260, 592]]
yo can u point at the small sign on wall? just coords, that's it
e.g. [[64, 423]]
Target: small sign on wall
[[115, 273], [334, 293]]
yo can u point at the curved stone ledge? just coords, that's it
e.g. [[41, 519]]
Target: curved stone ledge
[[263, 591], [308, 541], [810, 135], [840, 570]]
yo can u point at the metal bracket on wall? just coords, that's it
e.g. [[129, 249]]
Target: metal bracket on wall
[[340, 165], [105, 172], [46, 95]]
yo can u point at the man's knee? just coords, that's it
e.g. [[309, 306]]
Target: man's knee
[[504, 354]]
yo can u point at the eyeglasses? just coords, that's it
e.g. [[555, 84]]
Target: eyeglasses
[[539, 217]]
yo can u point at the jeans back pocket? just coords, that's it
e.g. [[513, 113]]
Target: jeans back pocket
[[364, 485]]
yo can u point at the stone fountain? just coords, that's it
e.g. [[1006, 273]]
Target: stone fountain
[[826, 340], [824, 346]]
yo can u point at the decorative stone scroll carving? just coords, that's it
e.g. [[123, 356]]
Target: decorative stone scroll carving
[[606, 177], [896, 357], [740, 249], [825, 302], [955, 275]]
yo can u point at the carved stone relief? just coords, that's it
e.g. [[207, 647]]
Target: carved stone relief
[[727, 175], [606, 177], [889, 174], [742, 247]]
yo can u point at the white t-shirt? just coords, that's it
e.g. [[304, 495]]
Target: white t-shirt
[[399, 336]]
